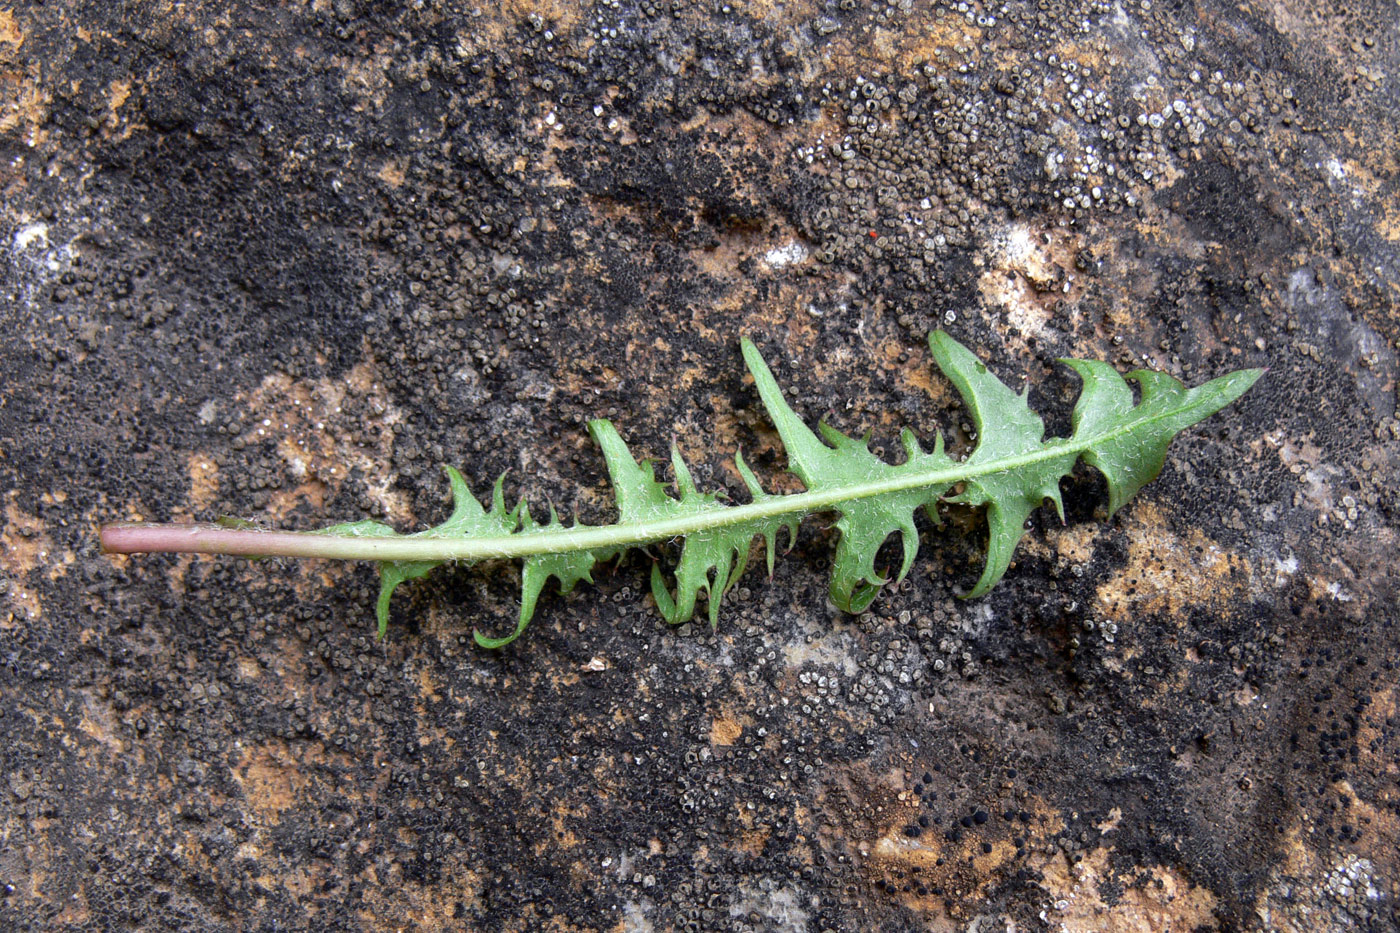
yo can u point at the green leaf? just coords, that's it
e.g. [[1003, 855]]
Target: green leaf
[[1011, 471]]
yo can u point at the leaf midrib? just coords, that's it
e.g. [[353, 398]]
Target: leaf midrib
[[424, 546]]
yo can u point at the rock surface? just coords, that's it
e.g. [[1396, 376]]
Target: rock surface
[[280, 261]]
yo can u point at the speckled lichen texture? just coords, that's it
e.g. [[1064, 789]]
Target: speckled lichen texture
[[281, 260]]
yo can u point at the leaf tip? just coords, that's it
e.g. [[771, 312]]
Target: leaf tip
[[492, 644], [381, 609], [1251, 376], [753, 359], [598, 428]]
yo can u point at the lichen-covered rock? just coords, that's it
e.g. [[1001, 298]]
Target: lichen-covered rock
[[280, 261]]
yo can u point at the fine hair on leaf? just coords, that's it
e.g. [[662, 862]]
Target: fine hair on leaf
[[1012, 470]]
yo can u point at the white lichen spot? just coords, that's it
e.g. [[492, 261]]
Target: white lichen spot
[[785, 255], [35, 233], [634, 918], [1354, 876], [1021, 270], [781, 907]]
